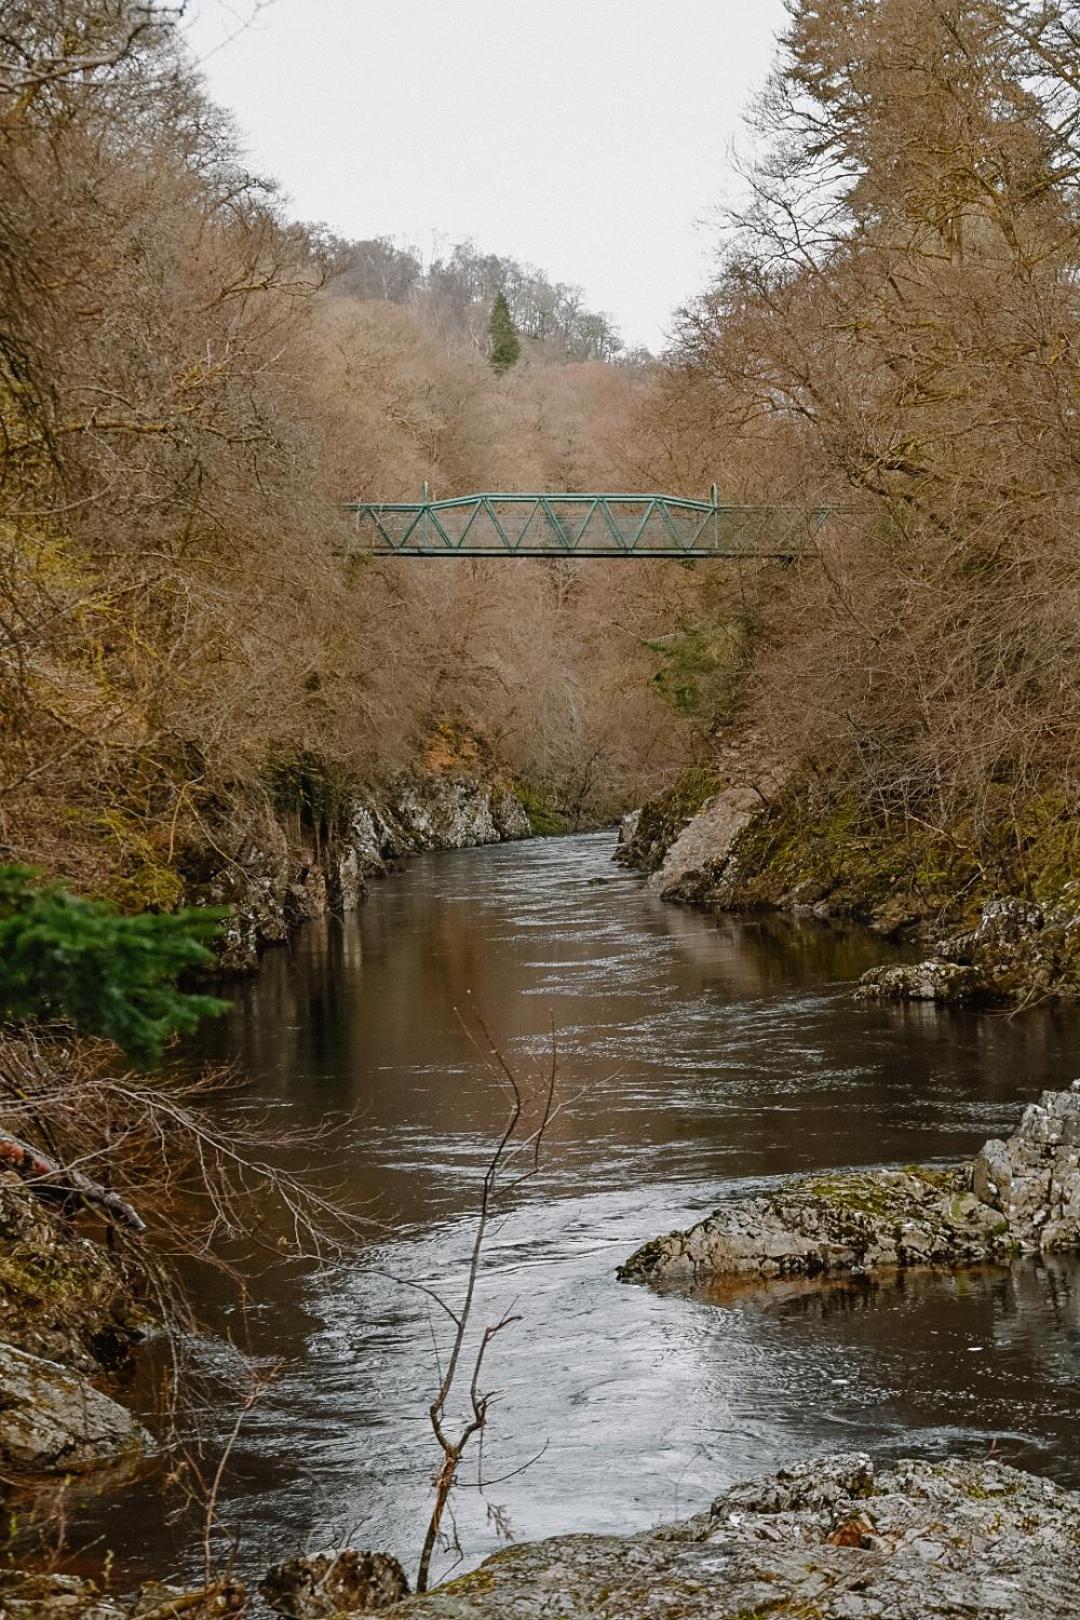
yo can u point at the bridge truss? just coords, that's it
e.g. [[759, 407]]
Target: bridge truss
[[492, 525]]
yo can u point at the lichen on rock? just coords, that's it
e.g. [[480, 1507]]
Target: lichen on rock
[[831, 1538], [1016, 951], [53, 1420], [1019, 1195], [62, 1296]]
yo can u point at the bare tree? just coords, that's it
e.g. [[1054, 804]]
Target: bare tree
[[531, 1107]]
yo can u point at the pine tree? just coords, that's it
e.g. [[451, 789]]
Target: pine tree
[[80, 960], [504, 345]]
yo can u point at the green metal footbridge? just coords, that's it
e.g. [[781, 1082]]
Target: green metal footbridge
[[493, 525]]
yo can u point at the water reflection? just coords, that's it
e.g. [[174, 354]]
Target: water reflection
[[703, 1055]]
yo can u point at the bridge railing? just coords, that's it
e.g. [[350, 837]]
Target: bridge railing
[[560, 525]]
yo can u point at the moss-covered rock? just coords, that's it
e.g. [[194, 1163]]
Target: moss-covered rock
[[1022, 1195], [545, 818], [828, 855], [53, 1421], [661, 820], [843, 1223], [801, 848], [62, 1296], [1016, 952]]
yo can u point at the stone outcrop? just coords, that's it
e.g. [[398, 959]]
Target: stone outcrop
[[269, 885], [54, 1421], [1016, 951], [829, 1539], [684, 837], [1020, 1195], [338, 1582], [454, 812], [62, 1296], [646, 835], [697, 857]]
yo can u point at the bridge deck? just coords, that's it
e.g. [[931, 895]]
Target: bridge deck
[[557, 525]]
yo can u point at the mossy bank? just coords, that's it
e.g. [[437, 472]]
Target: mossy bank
[[998, 901]]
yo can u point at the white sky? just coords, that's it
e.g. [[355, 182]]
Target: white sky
[[591, 138]]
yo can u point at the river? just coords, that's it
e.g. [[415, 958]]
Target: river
[[699, 1056]]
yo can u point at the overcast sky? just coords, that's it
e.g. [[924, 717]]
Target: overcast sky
[[589, 137]]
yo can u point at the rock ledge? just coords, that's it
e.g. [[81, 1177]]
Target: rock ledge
[[1018, 1196], [1016, 950], [829, 1539]]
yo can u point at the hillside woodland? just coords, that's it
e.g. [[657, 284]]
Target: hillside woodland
[[190, 386], [893, 327]]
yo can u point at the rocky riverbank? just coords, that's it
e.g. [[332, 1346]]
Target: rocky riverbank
[[70, 1311], [1017, 1196], [831, 1538], [69, 1319], [1017, 952], [273, 871], [834, 1538], [742, 837]]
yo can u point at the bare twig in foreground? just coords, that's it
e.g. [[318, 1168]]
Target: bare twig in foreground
[[530, 1109]]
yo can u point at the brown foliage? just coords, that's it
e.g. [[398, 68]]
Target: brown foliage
[[895, 327], [183, 408]]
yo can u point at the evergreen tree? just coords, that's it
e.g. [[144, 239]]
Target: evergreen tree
[[504, 345], [81, 960]]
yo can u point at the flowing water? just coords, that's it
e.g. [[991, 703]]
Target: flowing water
[[699, 1056]]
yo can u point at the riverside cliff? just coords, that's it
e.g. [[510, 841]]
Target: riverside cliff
[[275, 870]]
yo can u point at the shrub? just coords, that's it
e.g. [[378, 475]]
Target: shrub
[[62, 956]]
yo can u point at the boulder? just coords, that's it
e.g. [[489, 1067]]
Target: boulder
[[700, 852], [52, 1421], [62, 1296], [683, 836], [933, 980], [508, 814], [373, 841], [337, 1582], [1018, 1196], [833, 1538], [1017, 950]]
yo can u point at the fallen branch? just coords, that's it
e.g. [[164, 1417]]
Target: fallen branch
[[48, 1177]]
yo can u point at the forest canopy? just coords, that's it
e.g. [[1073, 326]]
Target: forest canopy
[[191, 385]]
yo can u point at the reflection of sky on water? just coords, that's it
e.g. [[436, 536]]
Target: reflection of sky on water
[[699, 1055]]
